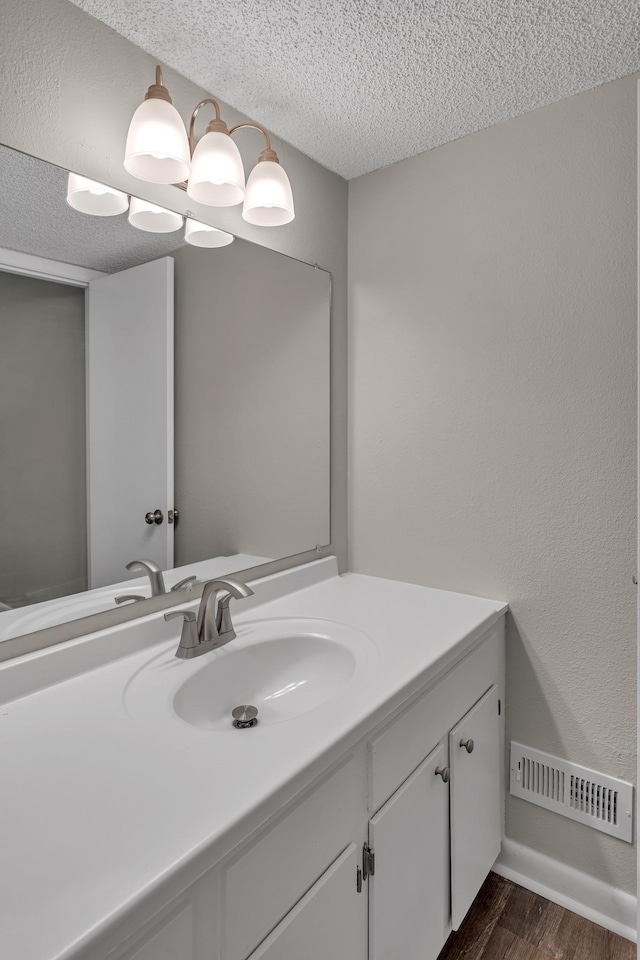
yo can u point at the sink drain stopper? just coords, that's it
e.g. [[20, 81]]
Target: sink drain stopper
[[244, 716]]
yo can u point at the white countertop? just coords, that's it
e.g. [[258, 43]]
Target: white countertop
[[97, 808]]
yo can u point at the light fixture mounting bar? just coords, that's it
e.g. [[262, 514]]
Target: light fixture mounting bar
[[215, 126], [157, 90], [267, 153]]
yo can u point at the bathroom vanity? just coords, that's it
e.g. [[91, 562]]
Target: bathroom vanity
[[357, 819]]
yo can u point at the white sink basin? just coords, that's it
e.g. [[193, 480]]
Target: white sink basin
[[284, 667]]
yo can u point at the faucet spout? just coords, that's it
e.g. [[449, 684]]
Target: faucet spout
[[216, 626], [211, 629], [153, 571]]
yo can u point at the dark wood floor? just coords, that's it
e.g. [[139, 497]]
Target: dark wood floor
[[507, 922]]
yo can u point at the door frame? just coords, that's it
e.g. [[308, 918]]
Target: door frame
[[54, 271], [25, 264]]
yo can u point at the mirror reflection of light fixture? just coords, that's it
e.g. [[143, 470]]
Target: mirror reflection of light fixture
[[202, 235], [215, 174], [97, 199], [152, 218], [89, 196]]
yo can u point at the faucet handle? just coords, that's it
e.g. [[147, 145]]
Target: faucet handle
[[130, 596], [189, 639], [183, 584], [187, 615]]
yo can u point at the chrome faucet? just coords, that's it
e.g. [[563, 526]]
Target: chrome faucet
[[211, 627], [156, 580]]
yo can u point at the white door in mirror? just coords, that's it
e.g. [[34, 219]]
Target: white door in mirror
[[130, 419]]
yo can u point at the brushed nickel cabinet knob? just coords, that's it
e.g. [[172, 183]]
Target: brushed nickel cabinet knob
[[444, 773], [468, 745]]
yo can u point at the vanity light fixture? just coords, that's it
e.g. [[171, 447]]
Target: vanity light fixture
[[158, 150], [96, 199], [268, 201]]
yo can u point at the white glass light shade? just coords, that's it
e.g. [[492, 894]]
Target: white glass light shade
[[202, 235], [157, 147], [89, 196], [147, 216], [217, 173], [268, 201]]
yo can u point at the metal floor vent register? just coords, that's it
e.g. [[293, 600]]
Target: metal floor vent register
[[573, 791]]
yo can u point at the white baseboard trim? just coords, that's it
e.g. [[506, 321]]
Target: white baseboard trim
[[582, 894]]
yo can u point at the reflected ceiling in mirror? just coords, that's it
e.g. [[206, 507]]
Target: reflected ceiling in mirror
[[36, 219], [173, 379]]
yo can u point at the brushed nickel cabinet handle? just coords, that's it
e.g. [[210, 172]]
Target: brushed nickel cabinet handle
[[468, 745], [444, 773]]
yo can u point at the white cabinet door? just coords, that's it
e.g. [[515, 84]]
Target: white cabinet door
[[262, 883], [169, 939], [475, 801], [129, 333], [329, 923], [409, 892]]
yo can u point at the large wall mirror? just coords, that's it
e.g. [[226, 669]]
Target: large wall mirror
[[159, 401]]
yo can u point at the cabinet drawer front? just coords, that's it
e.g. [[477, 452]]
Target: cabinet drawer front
[[262, 884], [329, 921], [409, 892], [475, 802], [408, 739]]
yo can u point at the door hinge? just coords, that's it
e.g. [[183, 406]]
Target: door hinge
[[358, 879], [368, 861]]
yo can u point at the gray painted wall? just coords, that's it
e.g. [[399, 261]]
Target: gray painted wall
[[493, 416], [252, 403], [70, 86], [43, 543]]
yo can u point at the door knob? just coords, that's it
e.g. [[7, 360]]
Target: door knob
[[467, 744], [156, 517], [443, 772]]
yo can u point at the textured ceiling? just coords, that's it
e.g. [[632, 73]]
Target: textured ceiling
[[357, 84], [35, 218]]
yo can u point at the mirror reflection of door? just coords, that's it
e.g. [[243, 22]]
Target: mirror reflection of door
[[129, 419], [76, 511]]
